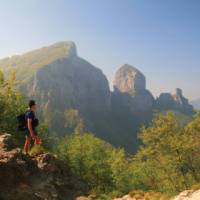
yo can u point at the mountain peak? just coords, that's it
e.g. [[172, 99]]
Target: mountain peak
[[129, 79], [129, 67], [28, 63], [65, 47]]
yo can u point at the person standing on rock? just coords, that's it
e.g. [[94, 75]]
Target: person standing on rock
[[31, 124]]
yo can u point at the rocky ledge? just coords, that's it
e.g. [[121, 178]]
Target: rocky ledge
[[42, 177], [186, 195]]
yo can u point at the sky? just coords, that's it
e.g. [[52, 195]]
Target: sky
[[159, 37]]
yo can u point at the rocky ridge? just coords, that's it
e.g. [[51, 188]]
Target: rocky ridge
[[42, 177]]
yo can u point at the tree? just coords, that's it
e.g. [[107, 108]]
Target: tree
[[73, 121], [88, 158], [12, 103], [166, 159]]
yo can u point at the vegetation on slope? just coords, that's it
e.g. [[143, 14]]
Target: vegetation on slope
[[167, 162], [27, 64]]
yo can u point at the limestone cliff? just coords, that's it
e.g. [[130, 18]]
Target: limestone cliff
[[176, 101], [58, 79], [130, 87]]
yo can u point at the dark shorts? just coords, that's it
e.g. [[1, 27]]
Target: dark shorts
[[27, 133]]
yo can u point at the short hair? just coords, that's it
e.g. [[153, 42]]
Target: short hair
[[31, 103]]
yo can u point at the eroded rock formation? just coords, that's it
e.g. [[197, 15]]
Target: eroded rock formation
[[176, 101], [130, 89], [42, 177]]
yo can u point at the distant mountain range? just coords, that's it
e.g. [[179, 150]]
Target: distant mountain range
[[60, 80], [196, 103]]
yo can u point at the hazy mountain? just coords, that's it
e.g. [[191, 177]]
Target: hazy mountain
[[60, 80], [196, 103]]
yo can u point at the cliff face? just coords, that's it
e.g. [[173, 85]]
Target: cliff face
[[175, 101], [58, 79], [42, 177], [129, 80], [69, 83], [130, 87]]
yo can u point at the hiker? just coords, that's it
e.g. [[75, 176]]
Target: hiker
[[30, 129]]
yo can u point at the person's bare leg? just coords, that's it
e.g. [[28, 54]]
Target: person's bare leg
[[27, 144]]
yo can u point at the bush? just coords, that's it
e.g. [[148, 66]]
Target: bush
[[37, 150]]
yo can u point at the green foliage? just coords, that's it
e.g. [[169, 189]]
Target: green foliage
[[98, 163], [37, 150], [1, 78], [73, 121], [88, 158], [49, 139], [11, 105], [27, 64], [168, 160]]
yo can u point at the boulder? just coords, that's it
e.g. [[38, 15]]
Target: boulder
[[188, 195], [6, 142]]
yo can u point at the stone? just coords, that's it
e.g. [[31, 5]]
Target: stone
[[6, 142], [188, 195]]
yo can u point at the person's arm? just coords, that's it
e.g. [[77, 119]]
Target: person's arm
[[30, 128]]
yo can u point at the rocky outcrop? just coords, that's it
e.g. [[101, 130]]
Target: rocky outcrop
[[177, 101], [188, 195], [130, 90], [42, 177]]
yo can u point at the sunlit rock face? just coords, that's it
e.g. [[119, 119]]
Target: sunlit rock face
[[130, 87], [188, 195], [129, 80]]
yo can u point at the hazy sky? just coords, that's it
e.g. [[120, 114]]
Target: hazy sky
[[159, 37]]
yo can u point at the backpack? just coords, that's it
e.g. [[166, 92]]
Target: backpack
[[22, 122]]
